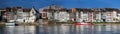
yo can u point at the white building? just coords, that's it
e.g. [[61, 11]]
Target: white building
[[20, 15], [98, 17], [46, 14], [30, 16], [55, 13], [86, 15], [109, 16], [62, 16], [26, 16]]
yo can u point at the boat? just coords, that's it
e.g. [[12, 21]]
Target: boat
[[81, 23], [10, 24], [11, 21]]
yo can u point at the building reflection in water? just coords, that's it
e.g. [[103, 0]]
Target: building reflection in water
[[18, 30], [9, 30], [61, 29], [2, 30]]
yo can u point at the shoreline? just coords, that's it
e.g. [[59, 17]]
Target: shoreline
[[24, 24]]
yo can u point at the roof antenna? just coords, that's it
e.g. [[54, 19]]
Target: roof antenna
[[33, 5]]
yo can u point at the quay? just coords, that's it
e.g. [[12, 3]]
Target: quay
[[46, 22]]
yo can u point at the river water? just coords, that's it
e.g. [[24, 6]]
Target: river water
[[61, 29]]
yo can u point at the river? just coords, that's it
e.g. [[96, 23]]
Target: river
[[61, 29]]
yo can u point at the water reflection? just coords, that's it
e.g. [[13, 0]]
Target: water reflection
[[61, 29]]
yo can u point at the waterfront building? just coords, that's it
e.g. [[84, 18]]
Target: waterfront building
[[109, 14], [83, 15], [97, 14], [9, 14], [18, 14], [62, 15], [2, 11], [94, 14], [118, 17], [32, 15], [80, 14], [73, 14], [43, 13], [57, 13]]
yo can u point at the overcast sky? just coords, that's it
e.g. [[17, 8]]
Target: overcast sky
[[65, 3]]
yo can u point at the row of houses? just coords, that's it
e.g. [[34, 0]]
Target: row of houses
[[18, 14], [62, 14]]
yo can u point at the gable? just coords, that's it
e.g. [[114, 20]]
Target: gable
[[33, 11]]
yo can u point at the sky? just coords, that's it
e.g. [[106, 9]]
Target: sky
[[65, 3]]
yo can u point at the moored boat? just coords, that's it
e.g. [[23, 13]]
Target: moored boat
[[10, 24]]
